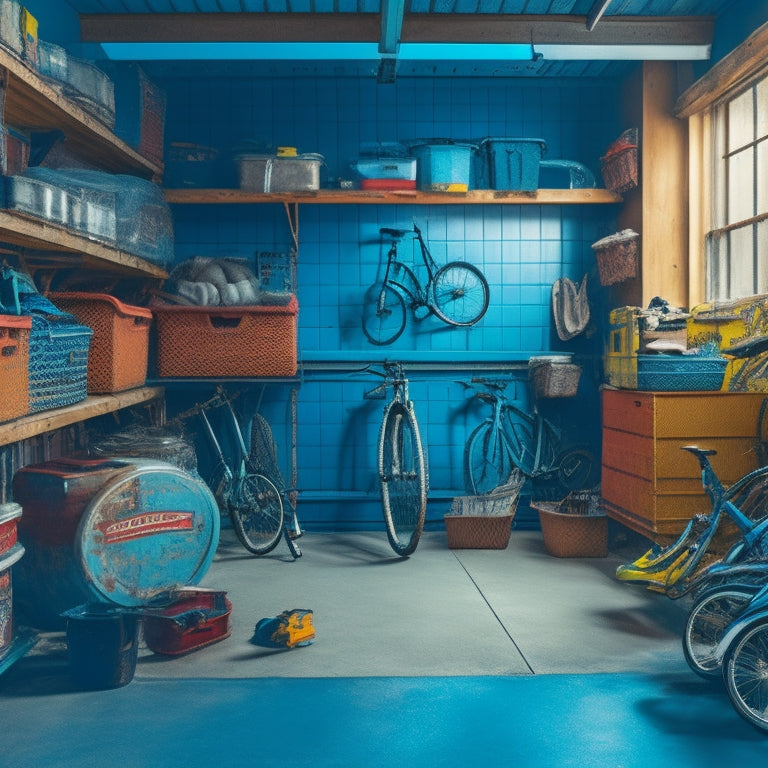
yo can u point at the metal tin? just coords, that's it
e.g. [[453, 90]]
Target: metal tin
[[9, 515], [6, 595], [148, 528]]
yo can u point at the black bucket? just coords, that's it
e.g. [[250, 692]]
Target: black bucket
[[103, 643]]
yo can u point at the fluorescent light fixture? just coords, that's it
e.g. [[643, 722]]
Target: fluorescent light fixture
[[406, 52]]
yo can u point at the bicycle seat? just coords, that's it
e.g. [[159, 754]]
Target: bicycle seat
[[699, 451], [396, 233]]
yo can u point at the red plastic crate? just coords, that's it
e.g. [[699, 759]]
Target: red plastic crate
[[14, 365], [119, 350], [227, 341]]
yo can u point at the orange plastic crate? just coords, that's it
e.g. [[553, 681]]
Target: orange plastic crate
[[227, 341], [119, 352], [14, 365]]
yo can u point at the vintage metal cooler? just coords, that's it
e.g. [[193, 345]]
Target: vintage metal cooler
[[117, 531]]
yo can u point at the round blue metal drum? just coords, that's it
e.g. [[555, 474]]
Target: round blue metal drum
[[112, 531], [153, 528]]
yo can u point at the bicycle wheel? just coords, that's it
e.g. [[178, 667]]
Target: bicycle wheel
[[403, 478], [383, 314], [257, 513], [704, 628], [745, 672], [460, 293], [488, 459], [577, 469]]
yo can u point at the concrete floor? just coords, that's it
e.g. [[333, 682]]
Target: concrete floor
[[498, 634]]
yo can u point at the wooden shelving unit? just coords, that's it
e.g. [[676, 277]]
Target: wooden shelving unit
[[32, 102], [95, 405], [399, 197]]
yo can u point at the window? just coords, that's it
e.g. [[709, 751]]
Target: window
[[736, 247]]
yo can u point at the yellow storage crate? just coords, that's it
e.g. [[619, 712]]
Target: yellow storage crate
[[621, 347]]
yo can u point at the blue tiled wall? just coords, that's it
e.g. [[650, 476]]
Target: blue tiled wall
[[521, 249]]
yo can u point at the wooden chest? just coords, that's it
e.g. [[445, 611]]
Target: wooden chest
[[648, 483]]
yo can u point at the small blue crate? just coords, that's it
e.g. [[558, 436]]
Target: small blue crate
[[444, 165], [513, 164], [680, 373], [58, 361]]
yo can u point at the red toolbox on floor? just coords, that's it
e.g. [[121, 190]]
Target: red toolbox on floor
[[194, 618]]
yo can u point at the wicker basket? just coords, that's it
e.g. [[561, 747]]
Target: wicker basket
[[618, 256], [483, 522], [14, 366], [227, 341], [554, 378], [620, 165], [120, 344], [568, 532]]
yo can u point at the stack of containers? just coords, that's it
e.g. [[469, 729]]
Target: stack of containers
[[58, 344], [385, 165]]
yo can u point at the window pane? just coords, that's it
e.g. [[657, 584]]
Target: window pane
[[717, 283], [762, 177], [740, 121], [761, 284], [740, 186], [740, 271], [761, 104]]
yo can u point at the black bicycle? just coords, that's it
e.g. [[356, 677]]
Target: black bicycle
[[457, 293]]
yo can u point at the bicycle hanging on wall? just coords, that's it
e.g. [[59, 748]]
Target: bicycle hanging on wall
[[457, 293], [401, 463]]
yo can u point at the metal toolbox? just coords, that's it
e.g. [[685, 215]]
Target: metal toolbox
[[194, 618], [270, 173]]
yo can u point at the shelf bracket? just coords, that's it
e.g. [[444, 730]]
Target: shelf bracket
[[292, 213]]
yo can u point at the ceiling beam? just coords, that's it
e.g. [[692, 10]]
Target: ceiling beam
[[417, 28]]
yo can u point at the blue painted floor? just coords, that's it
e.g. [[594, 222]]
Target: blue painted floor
[[450, 658]]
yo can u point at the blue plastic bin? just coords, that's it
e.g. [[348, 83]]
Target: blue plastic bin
[[513, 164], [684, 373], [444, 166]]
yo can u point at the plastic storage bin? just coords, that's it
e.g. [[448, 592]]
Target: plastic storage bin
[[142, 218], [14, 366], [38, 198], [227, 341], [119, 348], [680, 373], [513, 164], [270, 173], [444, 166], [58, 362]]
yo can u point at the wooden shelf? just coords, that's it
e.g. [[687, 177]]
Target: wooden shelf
[[400, 197], [96, 405], [59, 246], [32, 102]]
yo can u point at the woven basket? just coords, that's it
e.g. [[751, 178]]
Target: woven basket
[[620, 165], [569, 534], [120, 344], [227, 341], [484, 522], [478, 531], [555, 379], [618, 257]]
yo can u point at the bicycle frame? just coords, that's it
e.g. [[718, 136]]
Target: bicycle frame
[[418, 294], [672, 569]]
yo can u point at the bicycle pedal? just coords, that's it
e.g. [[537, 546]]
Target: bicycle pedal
[[290, 629]]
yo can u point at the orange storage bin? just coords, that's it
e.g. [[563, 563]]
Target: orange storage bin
[[14, 365], [227, 341], [119, 352]]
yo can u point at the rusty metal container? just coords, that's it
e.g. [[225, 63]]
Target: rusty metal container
[[114, 531]]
